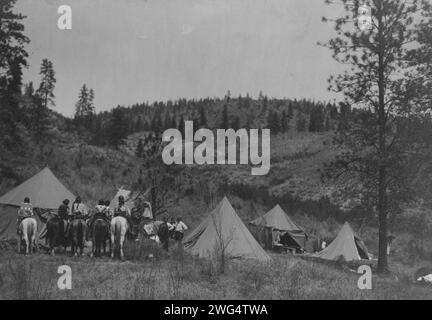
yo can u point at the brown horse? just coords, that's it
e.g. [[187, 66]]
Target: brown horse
[[55, 235], [101, 234], [78, 230]]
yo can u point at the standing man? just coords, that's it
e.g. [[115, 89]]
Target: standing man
[[163, 233], [180, 228], [25, 211]]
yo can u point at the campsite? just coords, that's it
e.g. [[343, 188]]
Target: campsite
[[243, 150], [221, 259]]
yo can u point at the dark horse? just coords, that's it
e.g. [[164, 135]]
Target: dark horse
[[78, 231], [55, 235], [101, 234]]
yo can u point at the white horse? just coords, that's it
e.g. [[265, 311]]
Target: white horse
[[28, 228], [119, 228]]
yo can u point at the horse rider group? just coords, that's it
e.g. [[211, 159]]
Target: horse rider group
[[174, 229], [77, 211]]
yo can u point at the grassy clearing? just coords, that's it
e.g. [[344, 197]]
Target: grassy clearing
[[176, 275]]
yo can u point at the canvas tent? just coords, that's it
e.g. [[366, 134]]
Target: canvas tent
[[277, 220], [45, 192], [224, 228], [346, 245]]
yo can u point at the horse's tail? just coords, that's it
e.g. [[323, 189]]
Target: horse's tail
[[32, 231], [117, 232]]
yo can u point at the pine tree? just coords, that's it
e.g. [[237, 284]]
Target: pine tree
[[140, 149], [284, 122], [84, 108], [236, 123], [202, 118], [47, 85], [225, 120], [181, 125], [118, 127], [379, 80]]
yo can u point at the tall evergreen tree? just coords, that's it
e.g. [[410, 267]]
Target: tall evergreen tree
[[47, 85], [118, 127], [181, 125], [13, 56], [84, 108], [376, 82]]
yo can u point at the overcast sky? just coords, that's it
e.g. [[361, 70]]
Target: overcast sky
[[144, 50]]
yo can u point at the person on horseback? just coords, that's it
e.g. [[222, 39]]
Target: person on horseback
[[64, 214], [25, 211], [122, 210], [100, 213], [79, 211], [109, 213]]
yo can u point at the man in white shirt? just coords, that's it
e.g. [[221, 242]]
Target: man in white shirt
[[180, 228]]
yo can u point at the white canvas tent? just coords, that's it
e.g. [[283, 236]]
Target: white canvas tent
[[223, 227]]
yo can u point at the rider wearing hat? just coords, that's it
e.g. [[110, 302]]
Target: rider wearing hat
[[122, 210], [100, 213], [25, 211]]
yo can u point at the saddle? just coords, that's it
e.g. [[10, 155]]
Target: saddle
[[79, 217], [24, 218]]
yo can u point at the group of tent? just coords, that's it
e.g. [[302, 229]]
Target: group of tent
[[222, 229]]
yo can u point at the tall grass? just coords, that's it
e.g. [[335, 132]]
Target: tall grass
[[179, 276]]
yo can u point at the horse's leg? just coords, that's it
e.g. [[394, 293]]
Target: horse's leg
[[74, 243], [26, 242], [51, 243], [34, 246], [112, 244], [82, 247], [19, 243], [108, 239], [33, 239], [122, 237], [104, 245], [93, 245]]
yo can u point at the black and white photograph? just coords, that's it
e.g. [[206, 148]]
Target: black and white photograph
[[215, 150]]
